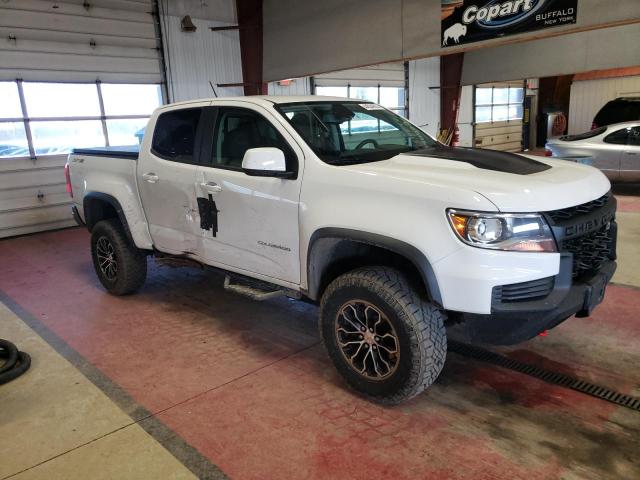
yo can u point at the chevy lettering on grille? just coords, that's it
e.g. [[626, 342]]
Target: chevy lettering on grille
[[591, 224]]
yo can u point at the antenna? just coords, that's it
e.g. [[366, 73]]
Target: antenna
[[214, 90]]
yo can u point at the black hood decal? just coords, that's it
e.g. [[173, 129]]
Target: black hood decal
[[486, 159]]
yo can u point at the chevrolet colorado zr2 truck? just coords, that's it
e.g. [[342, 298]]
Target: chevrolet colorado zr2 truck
[[345, 204]]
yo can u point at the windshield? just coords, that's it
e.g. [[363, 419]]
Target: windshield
[[344, 133]]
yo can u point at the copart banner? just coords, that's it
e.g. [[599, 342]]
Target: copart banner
[[467, 21]]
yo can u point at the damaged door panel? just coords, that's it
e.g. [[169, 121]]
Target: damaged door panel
[[208, 214]]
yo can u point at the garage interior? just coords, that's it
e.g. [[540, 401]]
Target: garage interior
[[186, 379]]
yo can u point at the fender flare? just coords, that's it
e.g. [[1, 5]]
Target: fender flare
[[110, 200], [411, 253]]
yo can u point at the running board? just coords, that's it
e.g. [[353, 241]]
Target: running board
[[255, 293]]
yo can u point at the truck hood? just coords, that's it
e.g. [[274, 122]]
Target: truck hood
[[513, 183]]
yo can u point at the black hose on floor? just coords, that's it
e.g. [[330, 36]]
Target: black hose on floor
[[15, 361]]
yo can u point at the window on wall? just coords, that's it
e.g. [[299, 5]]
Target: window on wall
[[498, 104], [392, 98], [54, 118]]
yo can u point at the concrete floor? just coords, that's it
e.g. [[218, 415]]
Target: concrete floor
[[186, 380]]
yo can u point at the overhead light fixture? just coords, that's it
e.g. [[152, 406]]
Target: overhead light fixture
[[186, 25]]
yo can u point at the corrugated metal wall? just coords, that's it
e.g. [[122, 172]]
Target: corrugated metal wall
[[64, 41], [197, 60], [424, 94], [466, 117], [589, 96], [298, 86]]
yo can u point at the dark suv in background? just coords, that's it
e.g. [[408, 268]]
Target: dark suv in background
[[623, 109]]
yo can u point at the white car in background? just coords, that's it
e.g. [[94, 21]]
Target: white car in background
[[614, 149]]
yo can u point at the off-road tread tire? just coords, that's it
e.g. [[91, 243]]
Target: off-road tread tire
[[424, 322], [132, 262]]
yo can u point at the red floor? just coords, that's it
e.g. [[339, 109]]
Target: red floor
[[248, 385]]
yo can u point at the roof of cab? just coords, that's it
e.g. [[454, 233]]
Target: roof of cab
[[266, 100]]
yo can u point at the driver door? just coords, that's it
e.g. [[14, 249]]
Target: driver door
[[254, 225]]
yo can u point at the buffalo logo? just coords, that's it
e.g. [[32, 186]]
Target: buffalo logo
[[454, 32]]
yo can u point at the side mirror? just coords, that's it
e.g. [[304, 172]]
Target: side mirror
[[265, 162]]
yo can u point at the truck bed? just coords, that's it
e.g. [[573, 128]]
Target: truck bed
[[129, 152]]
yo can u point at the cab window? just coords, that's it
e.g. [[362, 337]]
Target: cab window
[[239, 129], [174, 137]]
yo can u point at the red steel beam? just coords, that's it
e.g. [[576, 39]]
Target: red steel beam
[[250, 26]]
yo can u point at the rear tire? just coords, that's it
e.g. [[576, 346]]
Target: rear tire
[[360, 314], [120, 266]]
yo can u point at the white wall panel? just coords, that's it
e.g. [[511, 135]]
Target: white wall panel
[[194, 59], [424, 94], [298, 86], [589, 96], [219, 10], [466, 117]]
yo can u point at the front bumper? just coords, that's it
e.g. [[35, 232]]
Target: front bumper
[[512, 323]]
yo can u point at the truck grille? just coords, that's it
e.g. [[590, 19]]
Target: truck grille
[[569, 213], [523, 292], [592, 250]]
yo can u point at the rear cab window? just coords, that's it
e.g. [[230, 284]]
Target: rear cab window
[[175, 136]]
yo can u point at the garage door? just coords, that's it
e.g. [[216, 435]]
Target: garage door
[[382, 84], [72, 73], [498, 116]]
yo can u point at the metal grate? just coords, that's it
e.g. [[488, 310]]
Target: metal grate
[[567, 213], [548, 376], [589, 251]]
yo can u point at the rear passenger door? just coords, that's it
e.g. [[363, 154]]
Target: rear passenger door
[[166, 179], [607, 153], [630, 162], [253, 225]]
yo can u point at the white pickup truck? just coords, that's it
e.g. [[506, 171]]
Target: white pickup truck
[[346, 204]]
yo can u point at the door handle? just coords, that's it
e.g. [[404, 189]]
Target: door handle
[[211, 187], [150, 177]]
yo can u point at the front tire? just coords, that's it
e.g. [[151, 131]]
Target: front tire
[[120, 266], [385, 340]]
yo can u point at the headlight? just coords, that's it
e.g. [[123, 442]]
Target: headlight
[[526, 232]]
